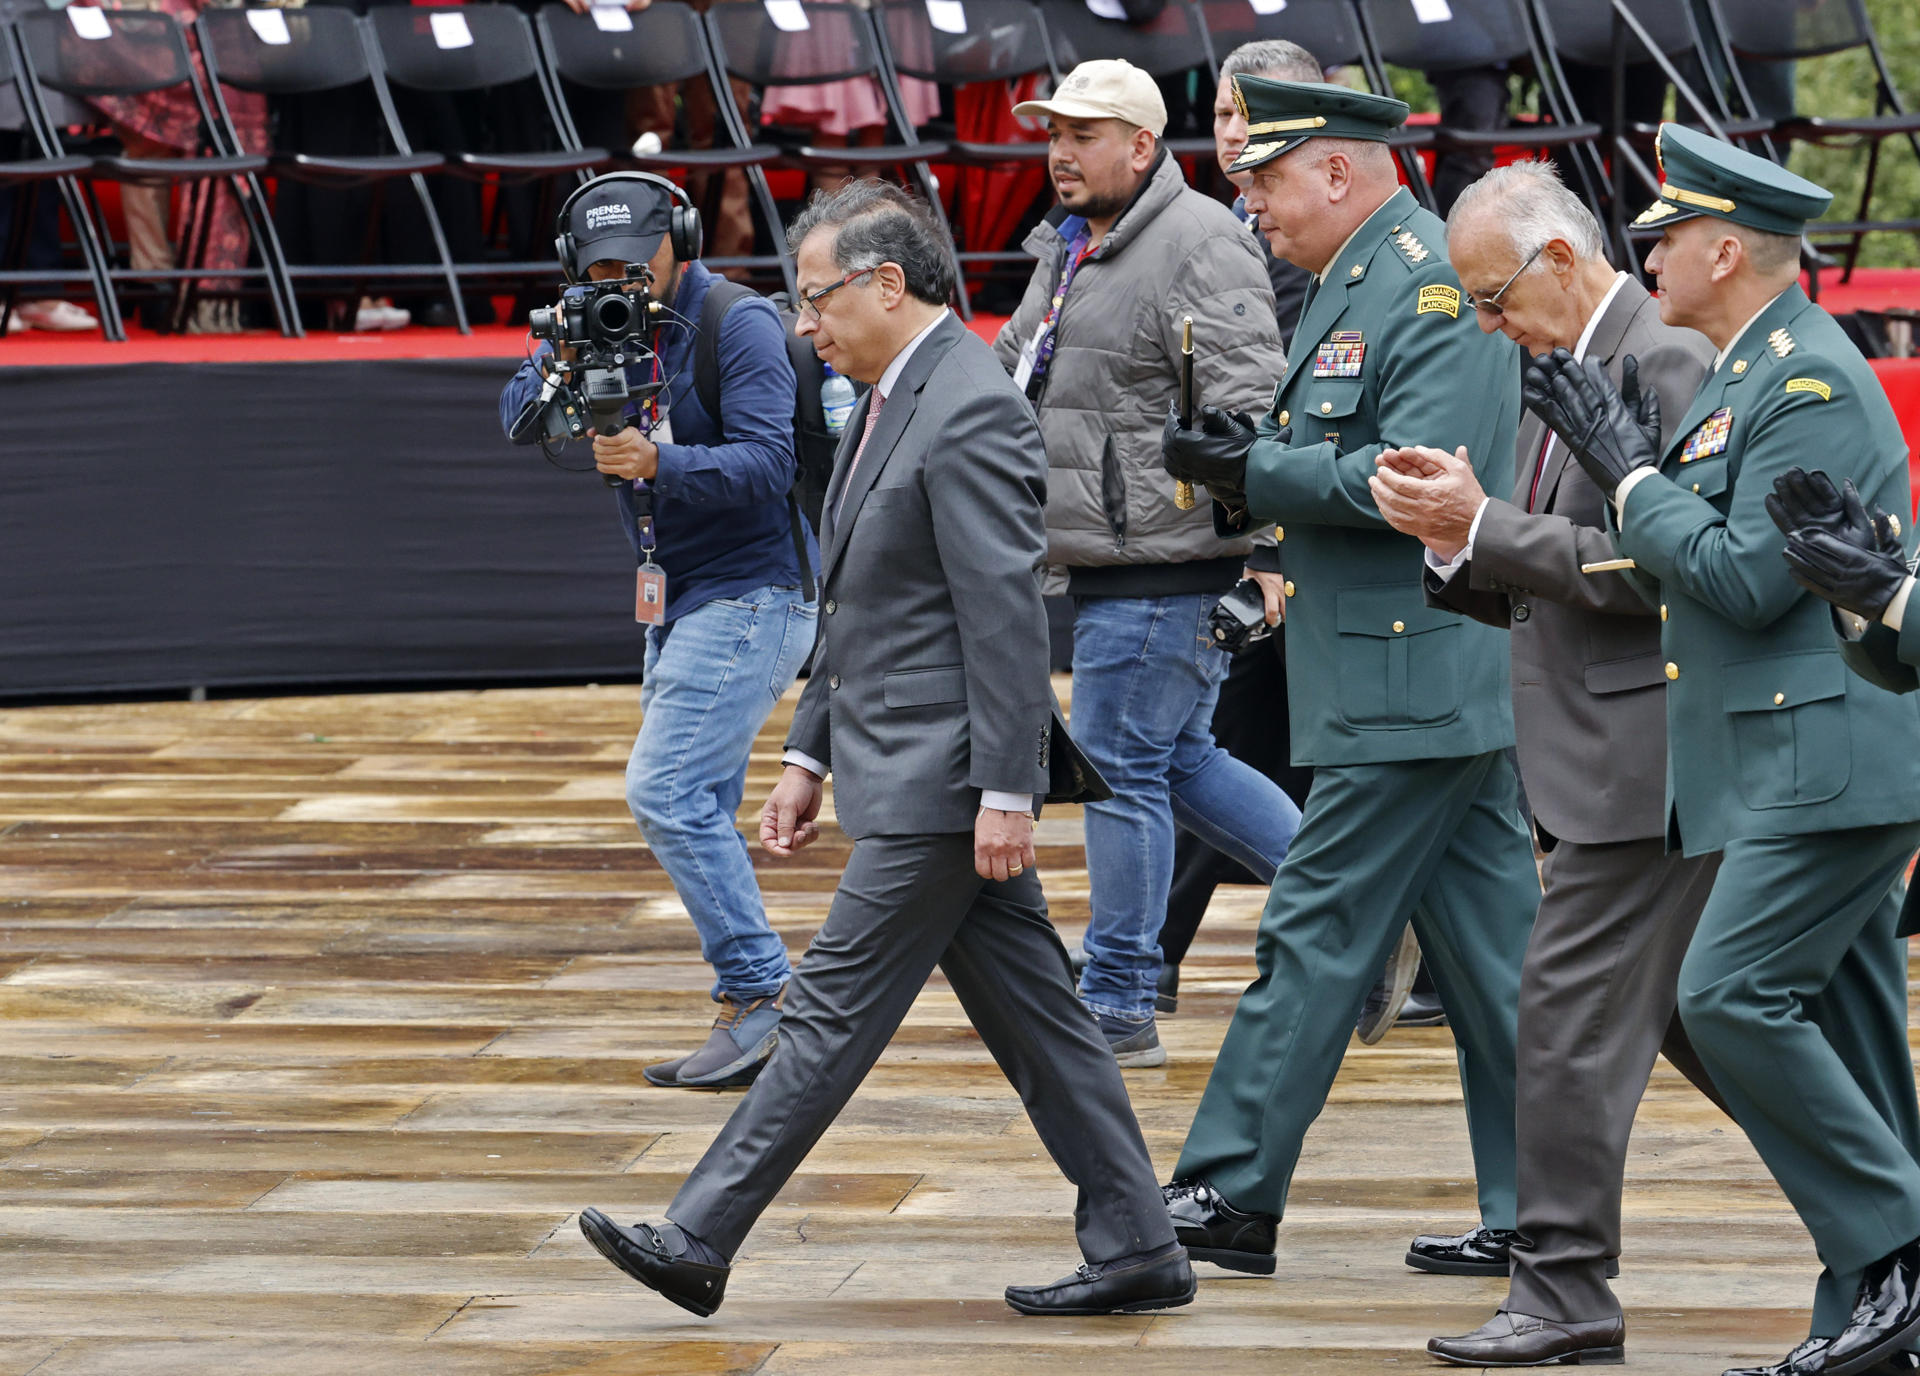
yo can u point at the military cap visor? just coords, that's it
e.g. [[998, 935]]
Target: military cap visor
[[1282, 115], [1703, 176]]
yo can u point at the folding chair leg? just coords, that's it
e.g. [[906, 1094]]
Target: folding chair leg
[[757, 182], [930, 189], [273, 260], [86, 234], [197, 231], [446, 255]]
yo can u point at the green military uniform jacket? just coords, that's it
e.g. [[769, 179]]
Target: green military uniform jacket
[[1387, 354], [1767, 734], [1885, 656]]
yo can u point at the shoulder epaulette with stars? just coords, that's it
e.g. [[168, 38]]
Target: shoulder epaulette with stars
[[1410, 246], [1780, 342]]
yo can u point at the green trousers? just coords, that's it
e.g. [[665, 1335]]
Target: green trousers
[[1439, 842], [1794, 993]]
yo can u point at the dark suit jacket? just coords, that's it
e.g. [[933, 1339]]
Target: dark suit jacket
[[1589, 708], [929, 680]]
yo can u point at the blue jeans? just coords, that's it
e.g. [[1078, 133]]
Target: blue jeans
[[1145, 679], [712, 677]]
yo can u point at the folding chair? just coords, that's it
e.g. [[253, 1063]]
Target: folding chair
[[86, 52], [1172, 43], [490, 48], [1478, 33], [27, 178], [839, 43], [1002, 43], [666, 46], [1330, 30], [316, 49], [1769, 31]]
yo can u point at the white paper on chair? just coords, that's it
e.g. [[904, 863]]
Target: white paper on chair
[[270, 26], [1432, 11], [612, 18], [1267, 6], [948, 16], [788, 16], [450, 29], [89, 21]]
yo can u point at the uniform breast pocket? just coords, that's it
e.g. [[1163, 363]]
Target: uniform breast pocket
[[1399, 659], [1790, 728], [1703, 477], [1330, 405]]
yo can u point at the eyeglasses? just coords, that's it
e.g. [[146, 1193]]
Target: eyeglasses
[[811, 304], [1490, 305]]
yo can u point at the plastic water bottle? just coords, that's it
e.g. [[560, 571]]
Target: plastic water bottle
[[836, 400]]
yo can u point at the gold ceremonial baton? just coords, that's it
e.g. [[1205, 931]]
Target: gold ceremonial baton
[[1609, 566], [1183, 492]]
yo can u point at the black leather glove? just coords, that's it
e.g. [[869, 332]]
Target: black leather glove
[[1800, 499], [1600, 427], [1846, 555], [1215, 455], [1644, 405]]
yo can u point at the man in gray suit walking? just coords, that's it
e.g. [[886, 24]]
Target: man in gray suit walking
[[929, 701], [1598, 988]]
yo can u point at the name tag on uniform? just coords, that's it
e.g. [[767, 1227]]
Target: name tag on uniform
[[1710, 438], [1341, 355]]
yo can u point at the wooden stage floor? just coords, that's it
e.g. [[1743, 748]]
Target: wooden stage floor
[[320, 1018]]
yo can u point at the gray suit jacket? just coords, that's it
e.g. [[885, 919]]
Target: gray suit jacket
[[929, 680], [1589, 707]]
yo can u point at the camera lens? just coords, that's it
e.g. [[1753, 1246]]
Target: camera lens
[[541, 322], [613, 316]]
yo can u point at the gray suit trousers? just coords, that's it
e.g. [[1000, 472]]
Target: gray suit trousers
[[1597, 996], [905, 904]]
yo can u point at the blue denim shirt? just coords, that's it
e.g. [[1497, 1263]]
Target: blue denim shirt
[[721, 517]]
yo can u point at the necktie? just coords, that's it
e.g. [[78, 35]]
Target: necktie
[[874, 403], [1539, 471]]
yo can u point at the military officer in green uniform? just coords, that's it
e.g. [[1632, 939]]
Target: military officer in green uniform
[[1794, 988], [1402, 709]]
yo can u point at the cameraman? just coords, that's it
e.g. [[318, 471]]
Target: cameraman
[[706, 500]]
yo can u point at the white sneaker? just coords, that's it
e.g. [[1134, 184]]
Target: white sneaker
[[374, 316], [61, 317], [15, 325]]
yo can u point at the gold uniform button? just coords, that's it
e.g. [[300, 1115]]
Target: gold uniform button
[[1673, 670], [1284, 417], [1696, 487], [1663, 611], [1399, 626], [1288, 588], [1326, 408], [1779, 698], [1279, 534]]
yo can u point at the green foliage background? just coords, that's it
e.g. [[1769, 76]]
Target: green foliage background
[[1839, 85]]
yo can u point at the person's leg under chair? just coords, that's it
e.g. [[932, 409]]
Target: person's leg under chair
[[708, 687]]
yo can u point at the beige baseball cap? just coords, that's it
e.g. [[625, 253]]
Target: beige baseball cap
[[1106, 88]]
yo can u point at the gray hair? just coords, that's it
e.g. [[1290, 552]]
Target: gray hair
[[1273, 58], [1535, 206], [1769, 253], [875, 222]]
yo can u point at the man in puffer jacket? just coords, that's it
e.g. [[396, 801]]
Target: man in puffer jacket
[[1126, 256]]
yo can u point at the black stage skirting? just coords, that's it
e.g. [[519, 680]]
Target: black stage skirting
[[171, 526]]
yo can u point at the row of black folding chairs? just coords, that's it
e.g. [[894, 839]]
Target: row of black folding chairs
[[279, 52]]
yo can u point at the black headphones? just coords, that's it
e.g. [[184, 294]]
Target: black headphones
[[683, 223]]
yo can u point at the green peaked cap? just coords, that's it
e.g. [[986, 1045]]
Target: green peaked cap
[[1703, 176], [1282, 115]]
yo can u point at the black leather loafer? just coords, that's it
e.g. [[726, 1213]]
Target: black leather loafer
[[1127, 1286], [656, 1256], [1509, 1339], [1213, 1230], [1482, 1252], [1885, 1318]]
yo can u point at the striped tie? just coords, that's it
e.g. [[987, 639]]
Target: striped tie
[[874, 403]]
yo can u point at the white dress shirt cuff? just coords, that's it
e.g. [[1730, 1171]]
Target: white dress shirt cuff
[[1627, 484], [1006, 802], [806, 762], [1897, 609], [1446, 571]]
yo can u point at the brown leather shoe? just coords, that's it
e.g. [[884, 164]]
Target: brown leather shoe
[[1509, 1339]]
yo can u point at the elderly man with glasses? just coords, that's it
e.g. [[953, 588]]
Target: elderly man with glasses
[[1598, 989]]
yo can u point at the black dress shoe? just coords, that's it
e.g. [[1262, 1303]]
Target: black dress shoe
[[1509, 1339], [656, 1256], [1482, 1252], [1422, 1009], [1885, 1318], [1808, 1359], [1213, 1230], [1126, 1286]]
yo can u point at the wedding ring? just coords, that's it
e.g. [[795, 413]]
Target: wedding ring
[[1015, 869]]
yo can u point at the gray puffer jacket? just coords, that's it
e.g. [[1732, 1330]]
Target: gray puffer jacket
[[1116, 369]]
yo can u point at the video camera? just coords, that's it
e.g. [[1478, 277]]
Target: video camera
[[609, 327]]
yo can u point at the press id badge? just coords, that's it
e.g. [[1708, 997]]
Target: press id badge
[[650, 594], [1029, 356]]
